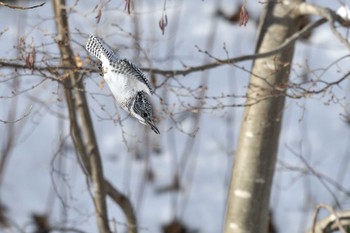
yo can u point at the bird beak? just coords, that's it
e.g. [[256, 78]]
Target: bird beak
[[153, 127]]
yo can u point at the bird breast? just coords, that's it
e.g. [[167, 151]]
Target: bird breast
[[121, 87]]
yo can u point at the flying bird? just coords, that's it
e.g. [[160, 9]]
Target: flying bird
[[126, 81]]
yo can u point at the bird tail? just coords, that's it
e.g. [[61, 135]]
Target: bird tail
[[97, 47]]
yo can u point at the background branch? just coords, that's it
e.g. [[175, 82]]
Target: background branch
[[333, 222], [326, 13], [21, 7], [170, 73]]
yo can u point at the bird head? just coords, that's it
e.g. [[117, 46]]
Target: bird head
[[142, 110]]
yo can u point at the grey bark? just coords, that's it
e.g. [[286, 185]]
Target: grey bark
[[248, 200], [78, 100]]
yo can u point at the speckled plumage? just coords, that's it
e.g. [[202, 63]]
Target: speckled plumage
[[141, 105], [128, 84], [99, 48], [124, 66]]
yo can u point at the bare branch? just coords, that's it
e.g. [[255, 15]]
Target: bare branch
[[170, 73], [331, 16], [19, 119], [88, 150], [124, 204], [21, 7], [80, 105], [311, 9], [333, 222]]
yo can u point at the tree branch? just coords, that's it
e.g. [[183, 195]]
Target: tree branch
[[81, 106], [89, 155], [326, 13], [286, 44], [302, 9], [170, 73], [333, 222], [21, 7], [124, 204], [19, 119]]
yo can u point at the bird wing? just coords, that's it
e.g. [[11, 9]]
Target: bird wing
[[97, 47], [125, 67]]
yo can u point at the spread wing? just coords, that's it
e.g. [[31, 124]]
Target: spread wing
[[97, 47], [125, 67]]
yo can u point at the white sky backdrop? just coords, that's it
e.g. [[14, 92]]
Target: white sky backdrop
[[310, 127]]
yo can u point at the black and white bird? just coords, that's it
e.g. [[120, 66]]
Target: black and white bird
[[128, 84]]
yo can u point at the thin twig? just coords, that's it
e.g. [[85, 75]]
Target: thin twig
[[21, 7], [19, 119], [188, 70]]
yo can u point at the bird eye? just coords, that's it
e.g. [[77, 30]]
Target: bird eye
[[144, 114]]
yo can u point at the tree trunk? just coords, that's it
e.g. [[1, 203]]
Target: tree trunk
[[248, 200], [77, 103]]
